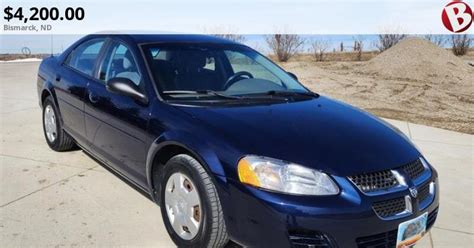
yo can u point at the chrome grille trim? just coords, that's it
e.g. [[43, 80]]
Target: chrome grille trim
[[375, 181], [370, 183], [414, 169], [416, 175], [426, 175], [427, 195], [393, 208]]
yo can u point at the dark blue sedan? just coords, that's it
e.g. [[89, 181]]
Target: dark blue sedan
[[232, 147]]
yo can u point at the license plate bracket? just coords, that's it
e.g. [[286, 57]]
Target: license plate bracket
[[409, 232]]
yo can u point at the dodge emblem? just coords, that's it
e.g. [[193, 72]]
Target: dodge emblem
[[413, 192]]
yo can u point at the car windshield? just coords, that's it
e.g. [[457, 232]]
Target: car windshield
[[186, 71]]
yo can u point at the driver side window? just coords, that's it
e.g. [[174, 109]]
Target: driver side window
[[240, 62], [119, 62]]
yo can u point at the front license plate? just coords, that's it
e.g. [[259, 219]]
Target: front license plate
[[409, 232]]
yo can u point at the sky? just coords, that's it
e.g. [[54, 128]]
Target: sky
[[249, 16], [337, 20]]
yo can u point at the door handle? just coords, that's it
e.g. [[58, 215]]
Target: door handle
[[93, 98]]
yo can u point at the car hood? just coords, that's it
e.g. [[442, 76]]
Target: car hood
[[321, 133]]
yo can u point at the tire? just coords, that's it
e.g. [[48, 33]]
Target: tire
[[61, 140], [211, 230]]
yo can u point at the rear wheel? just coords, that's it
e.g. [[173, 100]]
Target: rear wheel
[[54, 134], [190, 206]]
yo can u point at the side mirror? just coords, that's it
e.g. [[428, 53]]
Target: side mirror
[[292, 75], [126, 87]]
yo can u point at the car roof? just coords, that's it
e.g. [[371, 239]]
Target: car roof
[[140, 39], [172, 38]]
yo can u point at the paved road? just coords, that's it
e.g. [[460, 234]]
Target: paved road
[[67, 199]]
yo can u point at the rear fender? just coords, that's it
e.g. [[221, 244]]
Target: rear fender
[[48, 89], [45, 81]]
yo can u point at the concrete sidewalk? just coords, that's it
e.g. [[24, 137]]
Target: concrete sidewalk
[[67, 199]]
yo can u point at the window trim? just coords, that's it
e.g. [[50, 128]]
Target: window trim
[[111, 42], [141, 49], [65, 62]]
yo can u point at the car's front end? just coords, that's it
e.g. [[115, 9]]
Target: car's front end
[[292, 168], [366, 212], [338, 178]]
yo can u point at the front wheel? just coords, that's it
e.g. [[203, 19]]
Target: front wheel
[[190, 205]]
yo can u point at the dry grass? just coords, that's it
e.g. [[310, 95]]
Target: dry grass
[[332, 56]]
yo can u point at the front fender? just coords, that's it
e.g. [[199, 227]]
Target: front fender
[[196, 147]]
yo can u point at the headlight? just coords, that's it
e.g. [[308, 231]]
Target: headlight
[[281, 176]]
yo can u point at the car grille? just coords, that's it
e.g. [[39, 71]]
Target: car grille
[[424, 191], [310, 239], [414, 169], [383, 180], [375, 181], [431, 218], [389, 208], [382, 240]]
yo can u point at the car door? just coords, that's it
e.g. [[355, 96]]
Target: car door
[[116, 125], [70, 86]]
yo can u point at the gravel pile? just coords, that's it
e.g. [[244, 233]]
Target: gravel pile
[[418, 60], [414, 81]]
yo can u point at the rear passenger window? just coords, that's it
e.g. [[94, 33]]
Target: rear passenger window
[[84, 56]]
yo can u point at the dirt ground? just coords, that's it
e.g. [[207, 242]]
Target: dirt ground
[[434, 99], [390, 98]]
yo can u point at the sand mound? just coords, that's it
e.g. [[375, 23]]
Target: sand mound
[[414, 81], [416, 59]]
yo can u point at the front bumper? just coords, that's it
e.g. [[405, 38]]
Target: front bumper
[[257, 218]]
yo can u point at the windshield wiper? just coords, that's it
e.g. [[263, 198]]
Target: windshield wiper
[[282, 94], [291, 93], [200, 92]]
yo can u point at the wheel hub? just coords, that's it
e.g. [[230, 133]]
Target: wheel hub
[[50, 124], [183, 205]]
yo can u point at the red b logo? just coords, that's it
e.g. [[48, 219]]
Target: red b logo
[[457, 16]]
